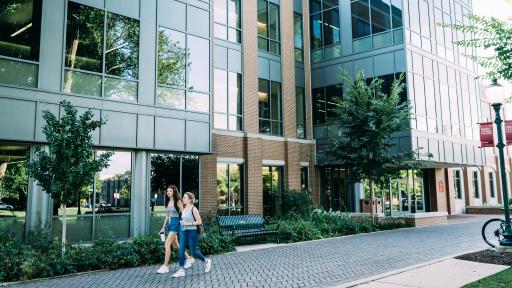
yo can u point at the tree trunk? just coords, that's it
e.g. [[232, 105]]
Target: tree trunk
[[72, 59], [64, 222], [372, 196]]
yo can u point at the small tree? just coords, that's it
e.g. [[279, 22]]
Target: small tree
[[367, 118], [69, 165]]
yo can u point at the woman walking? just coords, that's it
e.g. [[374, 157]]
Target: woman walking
[[190, 219], [172, 227]]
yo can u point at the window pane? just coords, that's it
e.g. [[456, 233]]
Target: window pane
[[234, 13], [331, 27], [235, 185], [273, 30], [263, 98], [220, 121], [112, 227], [82, 83], [332, 94], [264, 126], [381, 18], [425, 20], [171, 97], [277, 128], [21, 26], [275, 101], [198, 102], [235, 123], [220, 31], [318, 106], [396, 12], [262, 18], [297, 30], [222, 189], [172, 56], [113, 185], [199, 64], [120, 89], [315, 6], [316, 31], [360, 19], [304, 177], [235, 93], [18, 73], [190, 170], [234, 35], [122, 46], [221, 91], [300, 105], [219, 12], [330, 4], [84, 38], [274, 47]]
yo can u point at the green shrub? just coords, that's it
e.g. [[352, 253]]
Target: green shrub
[[149, 249], [214, 243], [298, 231], [296, 202], [13, 257]]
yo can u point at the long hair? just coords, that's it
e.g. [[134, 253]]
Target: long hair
[[176, 197]]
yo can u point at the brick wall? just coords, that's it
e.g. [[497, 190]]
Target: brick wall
[[250, 64], [208, 182], [288, 68]]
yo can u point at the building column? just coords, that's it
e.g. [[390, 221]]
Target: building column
[[358, 192], [468, 185], [450, 191], [253, 177], [140, 195], [38, 202], [292, 150], [208, 183], [485, 187]]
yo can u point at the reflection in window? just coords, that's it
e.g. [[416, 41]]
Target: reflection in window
[[298, 37], [457, 182], [325, 32], [300, 103], [304, 177], [172, 57], [324, 102], [270, 103], [272, 189], [13, 189], [268, 27], [476, 185], [227, 20], [229, 189], [92, 37], [228, 100], [492, 184], [198, 74]]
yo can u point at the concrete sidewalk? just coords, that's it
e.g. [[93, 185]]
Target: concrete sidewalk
[[449, 273]]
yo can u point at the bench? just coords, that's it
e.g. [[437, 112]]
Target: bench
[[241, 226]]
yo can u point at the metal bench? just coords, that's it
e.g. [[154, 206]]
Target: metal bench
[[241, 226]]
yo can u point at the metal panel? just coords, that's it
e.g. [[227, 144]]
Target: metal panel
[[235, 61], [199, 22], [220, 57], [17, 119], [275, 71], [332, 75], [400, 60], [145, 131], [39, 119], [300, 77], [128, 8], [317, 78], [198, 136], [52, 35], [147, 57], [120, 129], [263, 68], [169, 133], [366, 65], [172, 14], [94, 3], [384, 64]]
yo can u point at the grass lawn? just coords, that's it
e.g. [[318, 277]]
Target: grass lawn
[[500, 280]]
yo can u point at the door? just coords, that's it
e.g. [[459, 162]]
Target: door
[[460, 203]]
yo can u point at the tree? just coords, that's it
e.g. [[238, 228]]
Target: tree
[[489, 33], [368, 117], [69, 165]]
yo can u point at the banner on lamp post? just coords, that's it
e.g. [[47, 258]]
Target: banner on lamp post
[[486, 134], [508, 131]]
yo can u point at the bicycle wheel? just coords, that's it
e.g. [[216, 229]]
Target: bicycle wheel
[[492, 231]]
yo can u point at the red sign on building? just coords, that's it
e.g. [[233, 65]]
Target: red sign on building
[[508, 131], [486, 134], [441, 186]]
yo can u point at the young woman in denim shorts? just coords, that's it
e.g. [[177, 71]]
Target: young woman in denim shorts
[[172, 227]]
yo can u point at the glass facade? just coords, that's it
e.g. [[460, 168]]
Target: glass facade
[[230, 189], [492, 184], [457, 183], [298, 34], [227, 20], [269, 35], [19, 42], [228, 105], [476, 185], [324, 103], [325, 30], [304, 177], [102, 53], [272, 189], [300, 116], [376, 24], [270, 107]]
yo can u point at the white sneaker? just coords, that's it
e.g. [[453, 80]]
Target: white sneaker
[[179, 273], [163, 269], [189, 262], [207, 265]]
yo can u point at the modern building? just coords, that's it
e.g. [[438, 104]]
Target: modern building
[[228, 99]]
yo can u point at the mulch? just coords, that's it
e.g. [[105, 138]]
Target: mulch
[[489, 257]]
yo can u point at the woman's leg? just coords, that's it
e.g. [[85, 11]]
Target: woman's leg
[[168, 241], [183, 245], [192, 242], [176, 245]]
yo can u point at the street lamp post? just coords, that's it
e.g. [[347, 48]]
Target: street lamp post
[[496, 96]]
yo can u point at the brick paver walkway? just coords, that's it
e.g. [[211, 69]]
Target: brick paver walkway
[[321, 263]]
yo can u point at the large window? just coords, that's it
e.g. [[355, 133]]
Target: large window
[[228, 100], [300, 106], [13, 189], [476, 185], [324, 102], [102, 53], [492, 184], [272, 188], [304, 177], [101, 210], [325, 30], [298, 37], [227, 20], [268, 27], [270, 103], [230, 189], [376, 23], [170, 169], [457, 183], [19, 41]]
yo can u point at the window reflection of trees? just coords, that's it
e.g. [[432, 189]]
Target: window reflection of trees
[[172, 58]]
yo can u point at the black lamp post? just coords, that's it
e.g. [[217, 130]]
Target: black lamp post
[[495, 95]]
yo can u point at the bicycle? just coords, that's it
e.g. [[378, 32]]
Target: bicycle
[[492, 231]]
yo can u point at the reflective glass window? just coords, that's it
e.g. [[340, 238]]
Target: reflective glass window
[[396, 13], [332, 32], [298, 37], [228, 100], [318, 105], [268, 27], [300, 103], [316, 31], [270, 105], [172, 57], [381, 18], [229, 189], [360, 19], [227, 20], [122, 46]]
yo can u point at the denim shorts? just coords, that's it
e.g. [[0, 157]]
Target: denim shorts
[[173, 225]]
